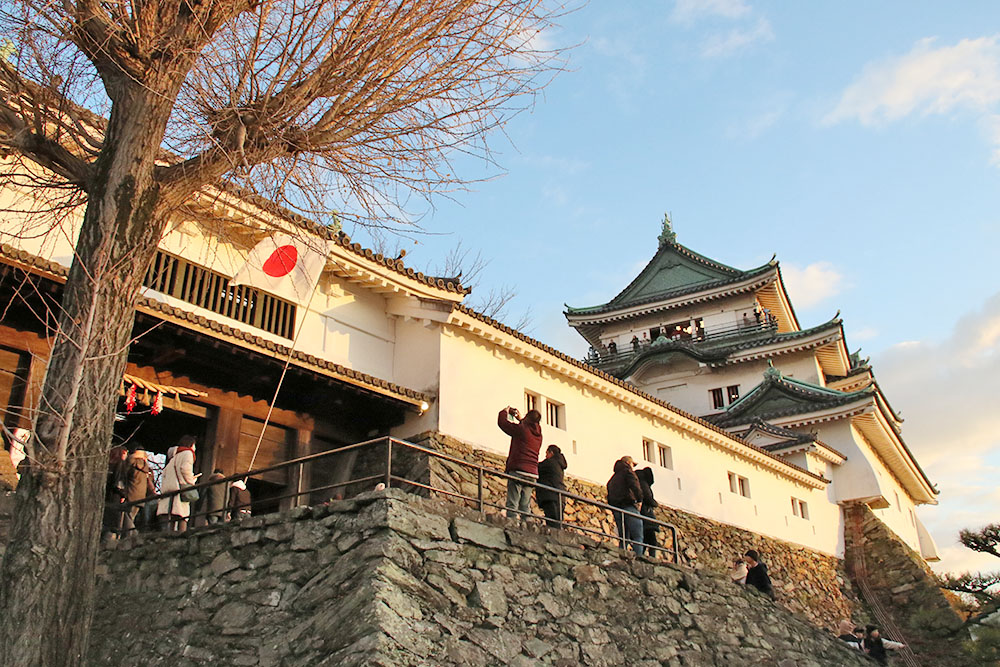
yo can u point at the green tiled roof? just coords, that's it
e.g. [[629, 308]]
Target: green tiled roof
[[674, 271], [779, 396]]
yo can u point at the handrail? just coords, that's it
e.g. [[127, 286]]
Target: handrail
[[628, 350], [389, 478]]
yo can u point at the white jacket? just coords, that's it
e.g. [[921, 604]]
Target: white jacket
[[179, 472]]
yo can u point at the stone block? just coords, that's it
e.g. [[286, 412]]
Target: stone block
[[223, 563], [463, 530], [490, 596]]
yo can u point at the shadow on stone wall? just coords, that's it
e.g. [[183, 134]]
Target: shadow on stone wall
[[392, 579]]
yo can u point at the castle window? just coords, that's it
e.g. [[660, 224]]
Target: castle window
[[739, 485], [666, 457], [530, 402], [733, 391], [800, 508], [647, 450], [554, 414], [718, 399]]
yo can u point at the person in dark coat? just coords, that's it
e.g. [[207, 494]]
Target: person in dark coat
[[114, 492], [648, 507], [550, 473], [215, 498], [876, 647], [625, 493], [522, 459], [757, 574]]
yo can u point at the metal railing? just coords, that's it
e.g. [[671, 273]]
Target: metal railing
[[627, 351], [385, 474]]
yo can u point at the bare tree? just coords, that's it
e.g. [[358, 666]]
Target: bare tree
[[462, 262], [350, 106]]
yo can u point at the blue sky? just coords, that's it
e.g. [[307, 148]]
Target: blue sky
[[860, 142]]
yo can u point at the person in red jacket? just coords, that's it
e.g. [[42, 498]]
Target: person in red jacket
[[522, 460]]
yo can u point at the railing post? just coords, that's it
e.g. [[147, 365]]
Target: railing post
[[388, 462], [479, 490]]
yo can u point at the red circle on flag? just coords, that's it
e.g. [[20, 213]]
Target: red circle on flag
[[281, 262]]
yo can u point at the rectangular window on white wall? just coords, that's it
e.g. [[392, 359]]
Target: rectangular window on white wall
[[555, 414], [647, 450], [739, 485], [733, 393], [530, 401], [718, 398], [800, 508], [666, 457]]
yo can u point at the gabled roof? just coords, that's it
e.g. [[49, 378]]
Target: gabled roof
[[789, 439], [673, 271], [780, 396]]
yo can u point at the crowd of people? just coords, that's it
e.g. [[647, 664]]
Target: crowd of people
[[131, 480], [629, 491]]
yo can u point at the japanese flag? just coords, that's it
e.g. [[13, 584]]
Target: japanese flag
[[285, 267]]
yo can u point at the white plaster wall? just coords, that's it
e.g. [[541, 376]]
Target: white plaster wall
[[688, 384], [863, 475], [478, 379]]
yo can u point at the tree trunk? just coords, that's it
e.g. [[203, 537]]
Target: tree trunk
[[47, 580]]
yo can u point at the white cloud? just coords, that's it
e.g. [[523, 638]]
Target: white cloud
[[812, 284], [689, 11], [737, 39], [947, 393], [864, 333], [964, 77]]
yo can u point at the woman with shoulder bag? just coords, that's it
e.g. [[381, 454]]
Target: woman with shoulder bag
[[178, 473]]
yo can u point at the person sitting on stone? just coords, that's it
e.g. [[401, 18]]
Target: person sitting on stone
[[876, 647], [847, 635], [738, 572], [757, 574]]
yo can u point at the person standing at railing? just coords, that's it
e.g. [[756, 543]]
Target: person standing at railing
[[551, 473], [239, 500], [648, 507], [625, 493], [522, 459], [177, 474], [215, 499], [139, 485]]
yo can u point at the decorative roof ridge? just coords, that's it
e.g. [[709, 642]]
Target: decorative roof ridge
[[207, 323], [773, 377], [792, 436], [624, 385]]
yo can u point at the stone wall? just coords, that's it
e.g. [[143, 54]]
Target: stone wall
[[810, 583], [392, 579], [905, 587]]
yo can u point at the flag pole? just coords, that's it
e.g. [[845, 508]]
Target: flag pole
[[281, 379]]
